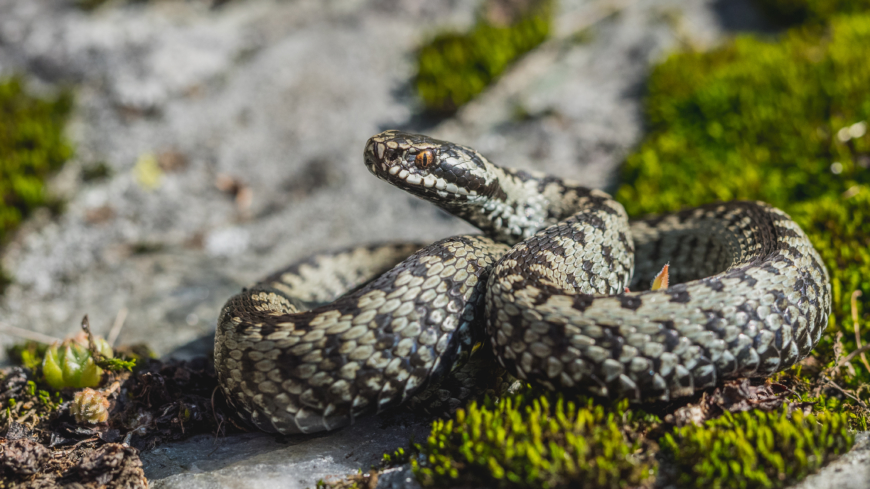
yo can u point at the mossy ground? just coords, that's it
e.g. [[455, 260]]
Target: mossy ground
[[756, 449], [32, 145], [782, 121], [453, 68], [535, 440]]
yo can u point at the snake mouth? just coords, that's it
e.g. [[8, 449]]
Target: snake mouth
[[418, 183]]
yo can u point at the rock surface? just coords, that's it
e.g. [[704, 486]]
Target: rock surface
[[256, 461], [851, 471], [234, 137]]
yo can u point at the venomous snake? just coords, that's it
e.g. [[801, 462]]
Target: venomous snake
[[348, 333]]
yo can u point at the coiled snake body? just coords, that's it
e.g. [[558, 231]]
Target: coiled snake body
[[343, 334]]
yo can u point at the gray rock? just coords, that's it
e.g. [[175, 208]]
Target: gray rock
[[398, 478], [851, 471], [258, 460]]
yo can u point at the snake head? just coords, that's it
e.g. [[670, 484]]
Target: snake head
[[429, 168]]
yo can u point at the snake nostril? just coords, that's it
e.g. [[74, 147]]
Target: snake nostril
[[390, 155]]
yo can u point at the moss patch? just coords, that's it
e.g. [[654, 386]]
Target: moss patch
[[535, 441], [839, 226], [453, 67], [756, 449], [755, 120], [32, 145]]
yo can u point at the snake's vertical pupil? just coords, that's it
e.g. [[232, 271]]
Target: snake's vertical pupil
[[424, 158]]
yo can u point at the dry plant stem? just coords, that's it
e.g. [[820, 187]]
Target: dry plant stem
[[848, 358], [846, 393], [86, 327], [28, 335], [214, 413], [117, 326], [111, 389], [839, 360], [855, 295], [827, 375], [92, 345]]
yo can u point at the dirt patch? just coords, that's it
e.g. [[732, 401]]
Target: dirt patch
[[42, 445]]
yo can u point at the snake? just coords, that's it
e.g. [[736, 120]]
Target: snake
[[555, 292]]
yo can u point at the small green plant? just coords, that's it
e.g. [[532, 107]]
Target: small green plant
[[534, 441], [115, 364], [44, 396], [71, 364], [756, 449], [90, 406], [453, 68], [399, 456]]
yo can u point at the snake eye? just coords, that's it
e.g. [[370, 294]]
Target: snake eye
[[425, 159]]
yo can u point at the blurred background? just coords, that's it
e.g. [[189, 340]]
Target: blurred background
[[157, 156]]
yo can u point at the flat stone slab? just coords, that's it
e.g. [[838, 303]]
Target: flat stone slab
[[259, 460], [851, 471]]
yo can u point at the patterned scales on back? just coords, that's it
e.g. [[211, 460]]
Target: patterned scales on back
[[300, 370], [344, 334]]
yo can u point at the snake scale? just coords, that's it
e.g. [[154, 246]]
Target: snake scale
[[348, 333]]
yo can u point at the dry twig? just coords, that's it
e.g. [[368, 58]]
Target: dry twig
[[28, 335], [117, 326]]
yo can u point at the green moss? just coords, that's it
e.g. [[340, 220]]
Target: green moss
[[28, 354], [785, 122], [839, 227], [756, 449], [810, 11], [534, 441], [32, 145], [755, 120], [453, 68]]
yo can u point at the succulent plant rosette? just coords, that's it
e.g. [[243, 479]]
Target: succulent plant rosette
[[72, 364]]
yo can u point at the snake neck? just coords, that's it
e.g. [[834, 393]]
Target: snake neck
[[513, 205], [508, 205]]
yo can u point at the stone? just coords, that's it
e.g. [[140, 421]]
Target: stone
[[260, 460]]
